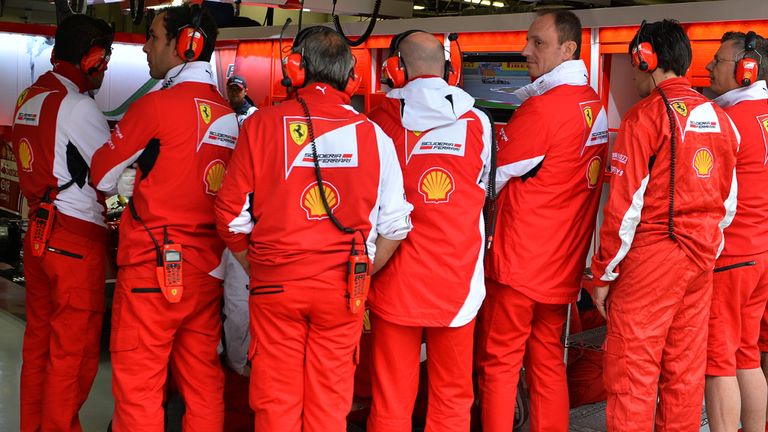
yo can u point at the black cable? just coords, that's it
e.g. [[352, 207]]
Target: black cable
[[489, 208], [319, 178], [368, 31], [672, 147], [135, 215]]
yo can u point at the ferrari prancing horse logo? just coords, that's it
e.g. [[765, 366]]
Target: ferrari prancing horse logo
[[680, 108], [298, 131], [588, 116], [205, 111]]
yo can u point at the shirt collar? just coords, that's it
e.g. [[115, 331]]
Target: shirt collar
[[571, 72], [197, 71], [756, 91], [323, 92]]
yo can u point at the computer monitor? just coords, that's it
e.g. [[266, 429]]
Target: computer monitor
[[491, 78]]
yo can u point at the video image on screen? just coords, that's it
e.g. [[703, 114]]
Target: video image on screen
[[491, 78]]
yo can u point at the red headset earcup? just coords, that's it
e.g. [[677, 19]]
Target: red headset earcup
[[644, 57], [189, 43], [746, 71], [395, 72], [352, 84], [94, 61], [294, 70]]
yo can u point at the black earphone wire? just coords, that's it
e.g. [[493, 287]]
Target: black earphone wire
[[319, 178]]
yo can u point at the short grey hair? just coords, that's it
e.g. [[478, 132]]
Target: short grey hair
[[327, 57], [761, 50]]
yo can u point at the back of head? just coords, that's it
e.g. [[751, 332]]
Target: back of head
[[77, 34], [568, 27], [423, 54], [760, 53], [176, 18], [669, 42], [326, 56]]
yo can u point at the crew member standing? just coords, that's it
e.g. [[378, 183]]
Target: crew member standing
[[167, 302], [312, 187], [237, 95], [735, 385], [444, 148], [672, 191], [551, 159], [56, 130]]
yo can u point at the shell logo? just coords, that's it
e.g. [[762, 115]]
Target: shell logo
[[703, 162], [593, 172], [26, 157], [436, 184], [588, 116], [214, 176], [205, 111], [312, 202]]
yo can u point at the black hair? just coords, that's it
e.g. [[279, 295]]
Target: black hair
[[669, 42], [177, 17], [568, 27], [77, 34], [760, 54], [326, 56]]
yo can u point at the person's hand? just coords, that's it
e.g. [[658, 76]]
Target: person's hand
[[242, 258], [126, 181], [598, 298]]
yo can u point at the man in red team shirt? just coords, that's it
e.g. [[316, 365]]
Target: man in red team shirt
[[271, 212], [444, 147], [735, 385], [550, 168], [672, 191], [181, 138], [56, 129]]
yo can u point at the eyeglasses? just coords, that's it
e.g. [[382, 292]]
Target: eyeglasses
[[716, 60]]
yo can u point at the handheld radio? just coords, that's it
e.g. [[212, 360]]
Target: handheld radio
[[40, 227], [170, 275]]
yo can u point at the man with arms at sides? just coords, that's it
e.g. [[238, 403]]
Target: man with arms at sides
[[167, 306], [56, 130], [312, 187], [735, 385], [444, 149], [550, 169], [672, 191]]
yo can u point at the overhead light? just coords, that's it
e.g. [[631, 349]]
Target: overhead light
[[306, 10], [498, 4], [418, 7], [485, 3]]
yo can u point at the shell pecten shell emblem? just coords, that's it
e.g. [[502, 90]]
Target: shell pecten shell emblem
[[312, 202], [703, 161], [436, 185], [26, 157], [593, 172], [214, 176]]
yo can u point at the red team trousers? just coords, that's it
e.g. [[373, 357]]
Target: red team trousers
[[395, 361], [658, 311], [149, 333], [65, 308], [304, 349], [513, 330]]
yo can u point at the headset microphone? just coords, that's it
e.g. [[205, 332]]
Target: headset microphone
[[286, 82]]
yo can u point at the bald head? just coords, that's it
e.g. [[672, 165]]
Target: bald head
[[422, 54]]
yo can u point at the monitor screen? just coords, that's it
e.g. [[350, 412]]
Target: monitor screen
[[491, 78]]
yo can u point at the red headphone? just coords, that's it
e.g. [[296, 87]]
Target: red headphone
[[643, 54], [294, 71], [395, 73], [190, 39], [95, 60], [747, 68]]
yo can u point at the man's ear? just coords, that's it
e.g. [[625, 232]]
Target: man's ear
[[569, 48]]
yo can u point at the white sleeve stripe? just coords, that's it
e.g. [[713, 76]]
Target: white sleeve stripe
[[108, 183], [516, 169], [730, 211], [242, 223], [627, 230]]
